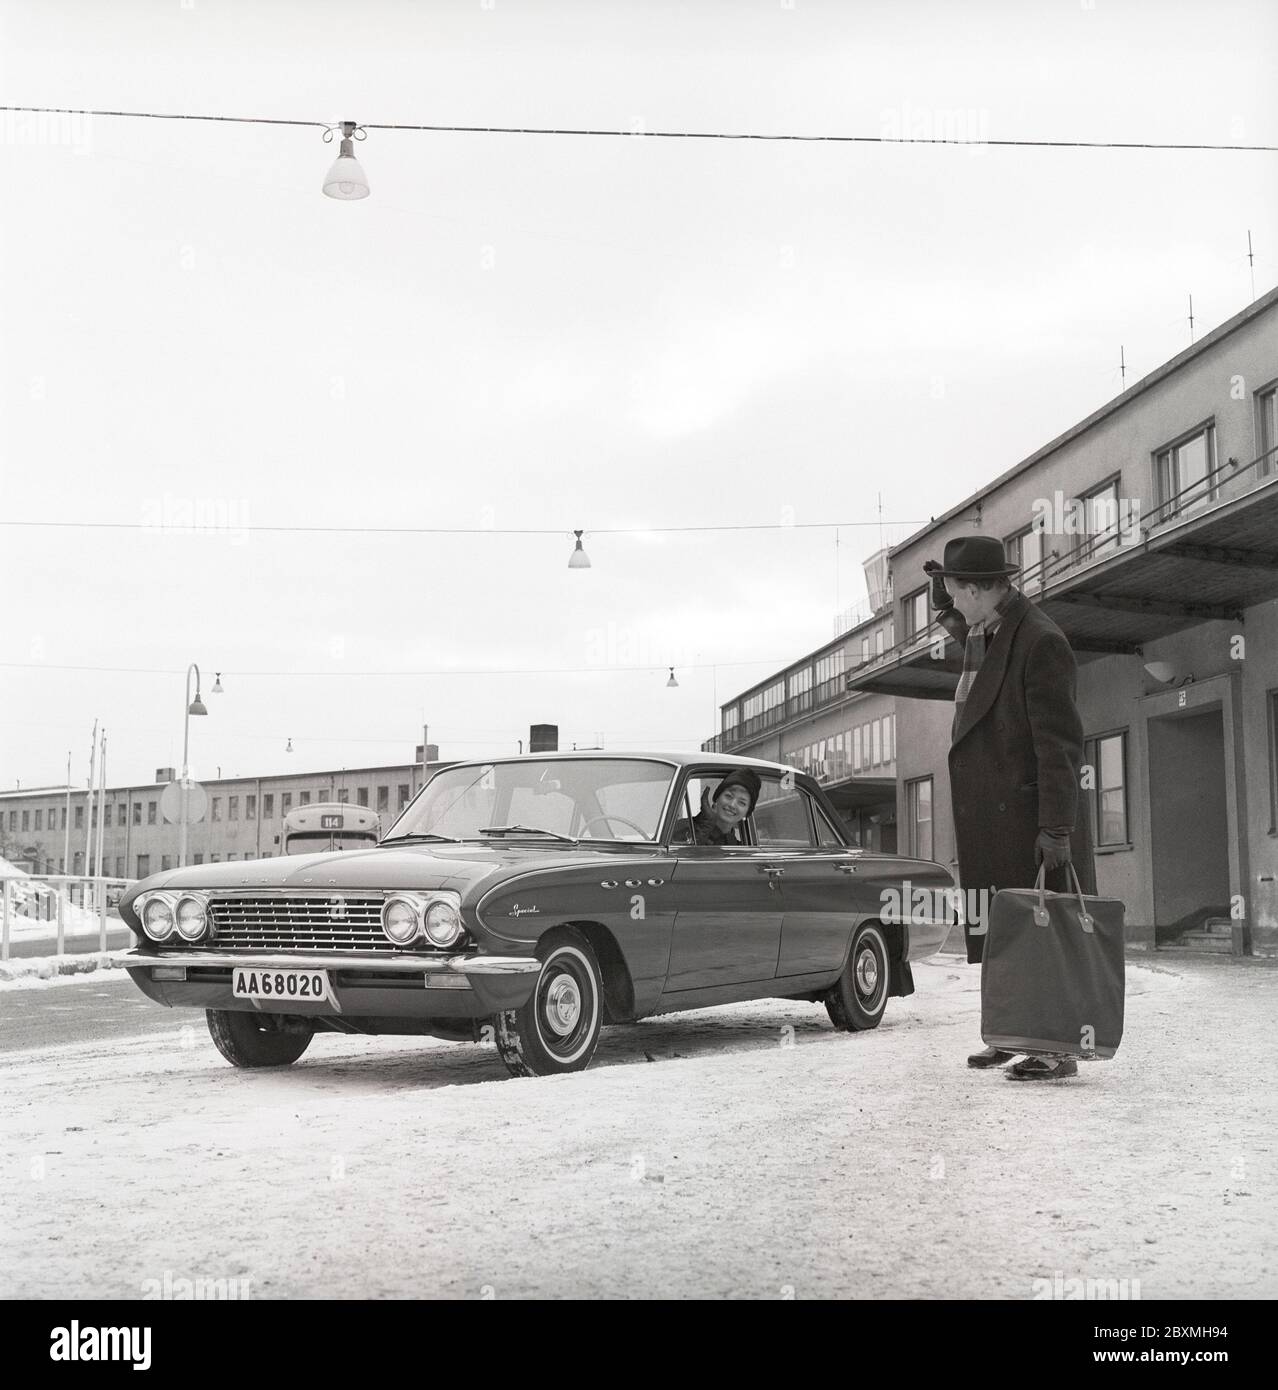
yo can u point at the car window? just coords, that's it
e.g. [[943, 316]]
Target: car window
[[781, 817], [547, 810], [826, 833], [565, 796], [639, 802], [696, 793]]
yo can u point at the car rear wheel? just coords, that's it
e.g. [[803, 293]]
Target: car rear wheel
[[256, 1040], [856, 1001], [557, 1030]]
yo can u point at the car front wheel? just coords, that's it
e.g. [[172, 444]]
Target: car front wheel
[[256, 1040], [557, 1030], [858, 997]]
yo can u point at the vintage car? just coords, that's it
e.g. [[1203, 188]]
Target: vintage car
[[531, 900]]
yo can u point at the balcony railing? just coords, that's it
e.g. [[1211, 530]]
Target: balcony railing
[[827, 692], [1213, 488]]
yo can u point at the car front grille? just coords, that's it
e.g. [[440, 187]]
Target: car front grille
[[298, 923]]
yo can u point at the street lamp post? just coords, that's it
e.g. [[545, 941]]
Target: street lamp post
[[195, 706]]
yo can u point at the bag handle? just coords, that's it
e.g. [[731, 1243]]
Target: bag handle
[[1042, 916]]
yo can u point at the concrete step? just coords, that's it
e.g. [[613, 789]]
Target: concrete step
[[1218, 943]]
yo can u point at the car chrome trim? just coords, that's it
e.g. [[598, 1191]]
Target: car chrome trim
[[655, 851], [274, 960]]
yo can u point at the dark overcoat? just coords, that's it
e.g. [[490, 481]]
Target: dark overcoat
[[1016, 761]]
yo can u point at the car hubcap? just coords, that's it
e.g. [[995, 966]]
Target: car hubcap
[[563, 1005], [867, 972]]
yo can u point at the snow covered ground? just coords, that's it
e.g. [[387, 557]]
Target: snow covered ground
[[747, 1151]]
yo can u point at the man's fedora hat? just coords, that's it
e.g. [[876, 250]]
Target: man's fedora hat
[[976, 557]]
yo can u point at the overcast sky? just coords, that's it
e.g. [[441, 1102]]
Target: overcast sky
[[519, 331]]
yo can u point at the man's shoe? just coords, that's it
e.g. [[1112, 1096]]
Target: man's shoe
[[990, 1057], [1043, 1069]]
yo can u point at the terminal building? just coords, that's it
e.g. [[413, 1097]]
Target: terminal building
[[1149, 533]]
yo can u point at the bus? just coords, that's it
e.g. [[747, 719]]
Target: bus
[[330, 825]]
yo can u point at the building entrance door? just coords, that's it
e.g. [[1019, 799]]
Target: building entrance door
[[1189, 817]]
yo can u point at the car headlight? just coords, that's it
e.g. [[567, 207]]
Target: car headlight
[[192, 916], [401, 920], [158, 918], [443, 924]]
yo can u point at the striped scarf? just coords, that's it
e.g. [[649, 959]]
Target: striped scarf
[[974, 653]]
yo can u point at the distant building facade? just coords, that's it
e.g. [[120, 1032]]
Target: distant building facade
[[243, 820]]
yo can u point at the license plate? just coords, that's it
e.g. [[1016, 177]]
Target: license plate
[[301, 986]]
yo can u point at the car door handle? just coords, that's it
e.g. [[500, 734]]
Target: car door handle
[[846, 868], [771, 870]]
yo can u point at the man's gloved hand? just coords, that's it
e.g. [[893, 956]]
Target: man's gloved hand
[[1052, 848], [941, 597]]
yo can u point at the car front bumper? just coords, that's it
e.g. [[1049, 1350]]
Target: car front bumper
[[362, 984]]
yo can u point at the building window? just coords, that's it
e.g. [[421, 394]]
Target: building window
[[878, 641], [1102, 524], [1107, 756], [229, 858], [232, 808], [876, 738], [856, 749], [865, 650], [889, 737], [150, 812], [119, 866], [405, 794], [286, 803], [918, 798], [137, 814], [303, 798], [250, 808], [215, 808], [165, 864], [731, 717], [1267, 429], [26, 820], [916, 618], [361, 796], [215, 858], [63, 826], [383, 798], [79, 817], [199, 859], [144, 865], [344, 795], [1184, 473], [268, 806], [1026, 549], [829, 667], [13, 820], [39, 824]]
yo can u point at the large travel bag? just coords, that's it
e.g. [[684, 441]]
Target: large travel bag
[[1052, 974]]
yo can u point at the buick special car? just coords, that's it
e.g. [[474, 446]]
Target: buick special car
[[529, 901]]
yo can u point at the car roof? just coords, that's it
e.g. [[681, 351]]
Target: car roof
[[680, 759]]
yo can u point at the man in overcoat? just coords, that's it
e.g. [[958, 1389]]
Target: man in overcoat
[[1017, 748]]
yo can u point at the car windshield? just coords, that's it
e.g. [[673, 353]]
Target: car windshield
[[585, 798]]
